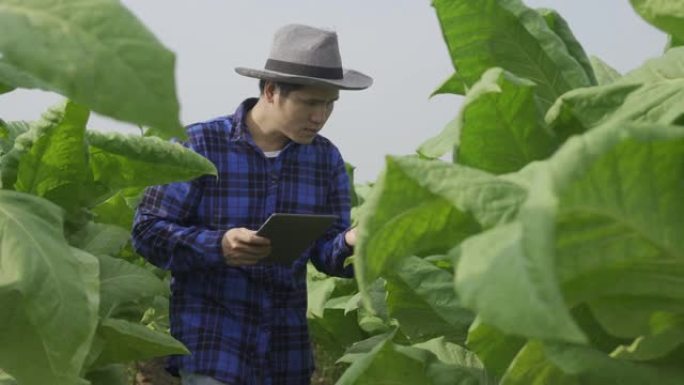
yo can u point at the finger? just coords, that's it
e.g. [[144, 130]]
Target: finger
[[251, 250], [252, 253], [257, 240], [239, 262]]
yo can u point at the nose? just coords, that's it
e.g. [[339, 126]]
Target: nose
[[319, 114]]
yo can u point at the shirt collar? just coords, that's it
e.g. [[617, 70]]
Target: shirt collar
[[240, 130]]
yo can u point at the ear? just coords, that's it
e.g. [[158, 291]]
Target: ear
[[269, 91]]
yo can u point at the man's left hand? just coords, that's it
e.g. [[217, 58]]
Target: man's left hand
[[350, 237]]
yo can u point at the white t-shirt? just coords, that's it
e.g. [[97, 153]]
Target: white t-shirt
[[272, 154]]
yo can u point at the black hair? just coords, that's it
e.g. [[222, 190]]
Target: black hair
[[283, 88]]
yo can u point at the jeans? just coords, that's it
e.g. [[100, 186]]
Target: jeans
[[198, 379]]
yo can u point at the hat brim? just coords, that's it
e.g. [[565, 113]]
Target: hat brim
[[351, 80]]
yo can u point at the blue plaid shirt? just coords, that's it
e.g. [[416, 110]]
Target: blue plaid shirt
[[243, 325]]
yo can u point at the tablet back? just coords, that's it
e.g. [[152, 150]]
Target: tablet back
[[291, 234]]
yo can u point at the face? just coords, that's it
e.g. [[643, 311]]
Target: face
[[302, 113]]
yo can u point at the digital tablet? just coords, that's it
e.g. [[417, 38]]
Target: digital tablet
[[291, 234]]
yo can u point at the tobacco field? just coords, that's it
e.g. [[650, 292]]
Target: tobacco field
[[538, 239]]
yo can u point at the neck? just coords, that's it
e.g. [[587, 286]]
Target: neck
[[263, 130]]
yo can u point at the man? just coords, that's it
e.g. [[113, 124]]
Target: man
[[245, 321]]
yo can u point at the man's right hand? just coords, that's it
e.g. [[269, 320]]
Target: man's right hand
[[242, 246]]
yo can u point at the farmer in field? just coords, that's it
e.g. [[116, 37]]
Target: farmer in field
[[245, 321]]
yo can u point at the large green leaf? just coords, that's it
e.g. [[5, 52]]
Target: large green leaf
[[507, 34], [350, 173], [389, 363], [652, 93], [613, 219], [620, 218], [94, 52], [502, 127], [98, 239], [442, 143], [662, 69], [667, 15], [558, 25], [450, 353], [371, 307], [116, 374], [495, 349], [334, 331], [123, 283], [531, 367], [6, 379], [52, 290], [120, 161], [52, 156], [421, 207], [119, 209], [580, 110], [318, 293], [667, 334], [126, 341], [421, 296], [526, 299], [5, 88], [11, 77], [518, 256], [563, 364], [673, 42], [403, 218], [628, 316], [9, 131], [453, 85], [570, 364], [605, 74]]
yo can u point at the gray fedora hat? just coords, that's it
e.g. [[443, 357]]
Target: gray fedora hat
[[310, 56]]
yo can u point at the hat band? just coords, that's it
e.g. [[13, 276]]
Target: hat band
[[304, 69]]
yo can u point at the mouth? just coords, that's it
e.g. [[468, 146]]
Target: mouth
[[311, 131]]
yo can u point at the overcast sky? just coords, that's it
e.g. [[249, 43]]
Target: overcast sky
[[397, 42]]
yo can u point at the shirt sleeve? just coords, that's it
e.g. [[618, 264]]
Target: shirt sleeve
[[331, 250], [164, 233]]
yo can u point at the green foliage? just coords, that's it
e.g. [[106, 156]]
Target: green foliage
[[52, 161], [500, 128], [121, 340], [605, 74], [120, 161], [67, 281], [5, 88], [9, 132], [53, 289], [507, 34], [667, 15], [550, 247], [561, 28], [425, 207], [422, 298], [561, 214], [432, 363], [109, 375], [78, 306], [453, 85], [96, 53]]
